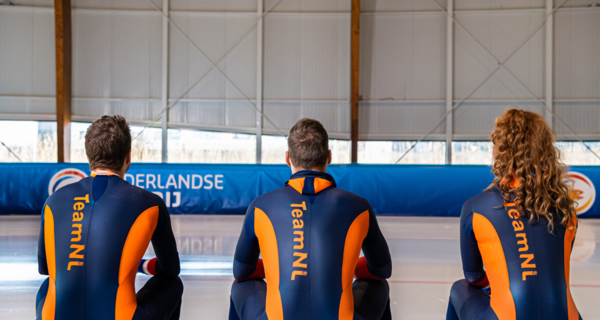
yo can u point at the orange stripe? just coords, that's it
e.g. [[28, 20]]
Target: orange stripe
[[135, 246], [49, 310], [93, 175], [267, 241], [569, 236], [321, 184], [297, 184], [354, 239], [494, 260]]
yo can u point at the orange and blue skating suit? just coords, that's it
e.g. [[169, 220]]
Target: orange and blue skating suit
[[310, 236], [92, 238], [527, 266]]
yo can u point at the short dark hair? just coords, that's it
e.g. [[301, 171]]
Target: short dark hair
[[107, 143], [308, 144]]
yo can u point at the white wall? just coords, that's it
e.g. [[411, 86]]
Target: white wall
[[116, 64], [117, 57], [213, 102], [402, 74], [403, 66], [306, 70], [577, 70], [27, 83]]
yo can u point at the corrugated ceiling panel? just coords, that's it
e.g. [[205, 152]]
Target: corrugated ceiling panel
[[27, 108], [137, 112], [136, 55], [583, 117], [117, 4], [403, 56], [27, 64], [41, 3], [396, 120], [405, 5], [215, 34], [44, 82], [16, 36], [577, 54], [335, 116], [498, 4], [307, 57], [221, 115], [309, 5], [213, 5], [576, 3], [226, 37], [501, 33], [477, 118], [116, 55]]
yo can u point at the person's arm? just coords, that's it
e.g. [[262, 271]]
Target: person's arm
[[471, 257], [166, 262], [377, 262], [246, 264], [41, 254]]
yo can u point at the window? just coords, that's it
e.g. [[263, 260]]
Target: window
[[147, 147], [274, 148], [388, 152], [186, 146], [472, 152], [78, 130], [30, 141], [481, 152], [576, 154]]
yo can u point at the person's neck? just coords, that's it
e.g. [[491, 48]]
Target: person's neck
[[323, 169], [108, 172]]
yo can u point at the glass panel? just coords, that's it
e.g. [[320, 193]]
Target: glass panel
[[576, 154], [480, 152], [145, 148], [472, 152], [274, 148], [31, 141], [340, 151], [388, 152], [78, 130], [192, 146]]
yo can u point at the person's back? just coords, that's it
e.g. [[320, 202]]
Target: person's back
[[521, 229], [99, 229], [310, 235], [93, 236], [527, 266]]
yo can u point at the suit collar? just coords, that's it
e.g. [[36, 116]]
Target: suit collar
[[309, 182]]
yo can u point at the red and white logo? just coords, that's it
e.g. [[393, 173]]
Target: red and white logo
[[65, 177], [582, 191]]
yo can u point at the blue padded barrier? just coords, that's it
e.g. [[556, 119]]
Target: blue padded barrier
[[228, 189]]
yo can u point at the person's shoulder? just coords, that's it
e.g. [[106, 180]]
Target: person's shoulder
[[136, 193], [345, 194], [272, 195], [489, 194], [70, 191], [482, 202], [348, 199]]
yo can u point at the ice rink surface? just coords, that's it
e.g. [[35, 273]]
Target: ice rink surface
[[425, 252]]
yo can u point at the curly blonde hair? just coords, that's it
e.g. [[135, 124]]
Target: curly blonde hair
[[524, 150]]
